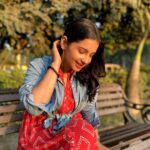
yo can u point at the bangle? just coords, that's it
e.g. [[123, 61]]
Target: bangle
[[50, 67]]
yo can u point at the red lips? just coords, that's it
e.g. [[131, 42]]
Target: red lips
[[79, 65]]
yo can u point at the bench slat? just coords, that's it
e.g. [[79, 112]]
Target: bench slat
[[110, 89], [11, 108], [109, 96], [11, 118], [109, 111], [127, 143], [8, 91], [116, 132], [9, 97], [123, 137], [142, 144], [101, 104], [118, 128]]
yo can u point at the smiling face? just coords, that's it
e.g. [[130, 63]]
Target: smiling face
[[79, 54]]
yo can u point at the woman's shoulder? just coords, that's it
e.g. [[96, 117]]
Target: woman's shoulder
[[47, 59], [44, 61], [39, 65]]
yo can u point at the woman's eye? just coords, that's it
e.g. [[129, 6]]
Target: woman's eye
[[81, 51]]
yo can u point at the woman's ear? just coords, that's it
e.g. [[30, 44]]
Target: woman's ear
[[64, 42]]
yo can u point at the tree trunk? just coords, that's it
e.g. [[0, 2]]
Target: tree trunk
[[132, 86]]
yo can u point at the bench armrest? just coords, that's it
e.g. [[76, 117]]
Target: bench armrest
[[143, 108]]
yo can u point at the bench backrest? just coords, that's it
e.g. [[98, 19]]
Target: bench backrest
[[110, 101], [10, 111]]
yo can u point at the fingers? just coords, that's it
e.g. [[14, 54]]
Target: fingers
[[56, 44], [56, 47], [55, 52]]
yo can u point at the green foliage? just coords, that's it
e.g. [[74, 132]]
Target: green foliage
[[115, 77], [44, 21], [25, 27], [120, 77], [11, 79], [30, 27], [111, 120], [144, 83]]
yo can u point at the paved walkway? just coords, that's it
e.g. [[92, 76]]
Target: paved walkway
[[9, 142]]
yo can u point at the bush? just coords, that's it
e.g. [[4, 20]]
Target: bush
[[115, 77], [120, 77], [144, 83], [11, 79]]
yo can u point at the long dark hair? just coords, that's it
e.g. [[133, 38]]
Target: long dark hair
[[84, 29]]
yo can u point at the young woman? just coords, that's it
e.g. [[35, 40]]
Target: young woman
[[60, 93]]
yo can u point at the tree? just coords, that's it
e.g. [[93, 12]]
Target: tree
[[31, 26], [133, 90], [129, 27], [21, 23]]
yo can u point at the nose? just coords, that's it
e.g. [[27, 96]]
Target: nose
[[86, 60]]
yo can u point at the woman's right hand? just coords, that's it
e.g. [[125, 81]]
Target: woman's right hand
[[55, 53], [102, 147]]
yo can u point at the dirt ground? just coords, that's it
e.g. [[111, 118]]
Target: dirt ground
[[9, 142]]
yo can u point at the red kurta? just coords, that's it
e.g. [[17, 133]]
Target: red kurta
[[78, 134]]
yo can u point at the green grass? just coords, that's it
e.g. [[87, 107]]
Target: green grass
[[111, 120]]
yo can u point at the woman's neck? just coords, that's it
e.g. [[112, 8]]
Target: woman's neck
[[66, 73], [65, 68]]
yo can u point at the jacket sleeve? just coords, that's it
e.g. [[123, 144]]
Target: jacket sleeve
[[89, 112], [34, 74]]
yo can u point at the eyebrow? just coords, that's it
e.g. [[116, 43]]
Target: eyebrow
[[86, 49]]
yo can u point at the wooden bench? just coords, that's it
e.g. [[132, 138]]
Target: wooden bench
[[11, 111], [111, 100]]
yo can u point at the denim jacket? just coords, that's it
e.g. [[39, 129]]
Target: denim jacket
[[36, 70]]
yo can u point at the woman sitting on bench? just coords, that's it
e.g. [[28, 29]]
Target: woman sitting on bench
[[60, 93]]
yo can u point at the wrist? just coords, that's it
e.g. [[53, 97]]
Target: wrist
[[53, 69], [56, 65]]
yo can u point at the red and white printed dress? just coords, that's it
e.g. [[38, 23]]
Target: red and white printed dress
[[78, 134]]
